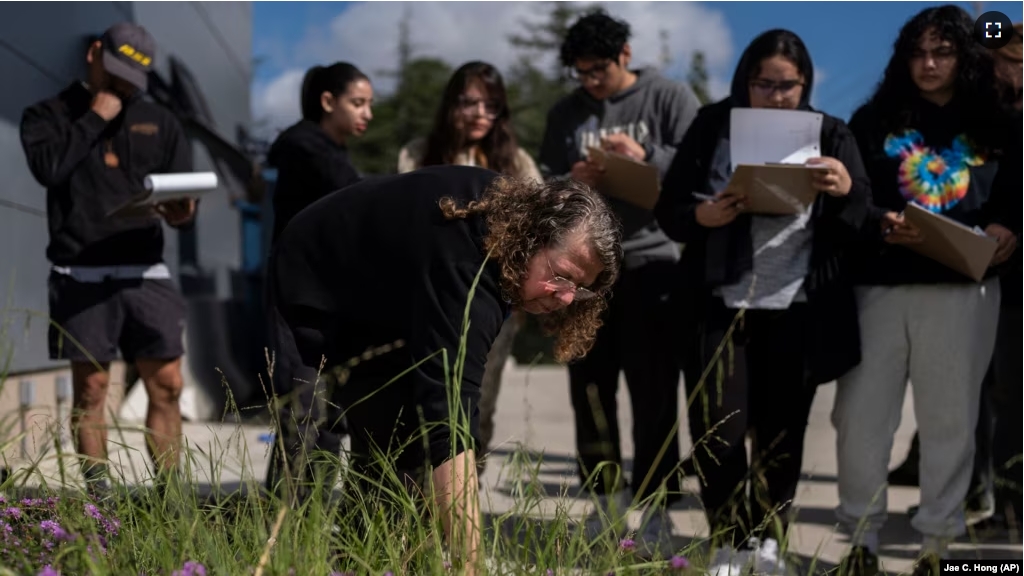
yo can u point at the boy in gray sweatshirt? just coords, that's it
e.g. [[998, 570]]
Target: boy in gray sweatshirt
[[642, 115]]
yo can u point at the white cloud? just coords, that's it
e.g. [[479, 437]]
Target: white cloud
[[277, 102], [367, 35]]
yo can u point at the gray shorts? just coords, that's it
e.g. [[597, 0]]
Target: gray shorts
[[142, 318]]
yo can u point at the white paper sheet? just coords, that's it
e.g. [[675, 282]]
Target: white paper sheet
[[181, 182], [765, 136]]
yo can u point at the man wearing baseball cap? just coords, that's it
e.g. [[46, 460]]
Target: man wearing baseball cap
[[91, 146]]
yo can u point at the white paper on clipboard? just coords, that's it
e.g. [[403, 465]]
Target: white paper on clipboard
[[770, 136], [158, 188]]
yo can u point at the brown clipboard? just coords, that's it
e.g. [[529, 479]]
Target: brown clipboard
[[627, 179], [776, 189], [143, 205], [950, 243]]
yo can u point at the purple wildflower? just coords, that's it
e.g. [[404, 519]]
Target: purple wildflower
[[191, 568], [48, 571], [13, 512], [93, 511], [679, 563], [389, 573], [54, 529], [550, 572], [627, 544]]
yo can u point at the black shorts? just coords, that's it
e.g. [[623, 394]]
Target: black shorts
[[144, 318]]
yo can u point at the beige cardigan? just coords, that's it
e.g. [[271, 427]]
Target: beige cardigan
[[411, 155]]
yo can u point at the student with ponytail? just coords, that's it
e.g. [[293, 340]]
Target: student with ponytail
[[312, 161], [311, 156]]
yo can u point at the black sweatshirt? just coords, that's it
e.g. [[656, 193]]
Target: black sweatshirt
[[309, 166], [376, 263], [934, 155], [719, 256], [65, 143]]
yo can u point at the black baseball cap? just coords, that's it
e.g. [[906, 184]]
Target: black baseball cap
[[128, 52]]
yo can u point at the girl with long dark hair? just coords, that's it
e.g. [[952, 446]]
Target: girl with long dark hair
[[473, 127], [771, 292], [311, 156], [939, 133]]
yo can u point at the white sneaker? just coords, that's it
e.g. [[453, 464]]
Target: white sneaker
[[727, 561], [610, 511], [656, 533], [766, 557]]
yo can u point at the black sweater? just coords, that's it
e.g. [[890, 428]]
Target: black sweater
[[65, 142], [976, 189], [309, 166], [716, 257], [376, 263]]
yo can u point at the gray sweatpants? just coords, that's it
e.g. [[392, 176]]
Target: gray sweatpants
[[941, 337]]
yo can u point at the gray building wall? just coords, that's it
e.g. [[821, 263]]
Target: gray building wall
[[42, 49]]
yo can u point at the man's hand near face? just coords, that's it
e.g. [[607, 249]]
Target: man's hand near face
[[106, 104]]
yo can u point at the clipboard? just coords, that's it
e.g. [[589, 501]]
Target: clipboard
[[950, 243], [143, 204], [775, 189], [627, 179]]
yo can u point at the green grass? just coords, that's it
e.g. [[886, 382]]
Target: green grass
[[140, 530], [146, 531]]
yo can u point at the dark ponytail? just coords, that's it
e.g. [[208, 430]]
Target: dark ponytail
[[334, 79]]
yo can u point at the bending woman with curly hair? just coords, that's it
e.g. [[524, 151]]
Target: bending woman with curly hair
[[391, 263], [473, 127]]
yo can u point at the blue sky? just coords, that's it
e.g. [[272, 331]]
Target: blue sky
[[849, 42]]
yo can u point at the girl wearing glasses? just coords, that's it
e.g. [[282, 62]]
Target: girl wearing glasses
[[939, 133], [784, 277], [474, 128]]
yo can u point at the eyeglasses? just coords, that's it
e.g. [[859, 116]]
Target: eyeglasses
[[769, 87], [597, 72], [469, 106], [565, 285]]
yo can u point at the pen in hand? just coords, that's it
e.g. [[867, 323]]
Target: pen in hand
[[889, 230]]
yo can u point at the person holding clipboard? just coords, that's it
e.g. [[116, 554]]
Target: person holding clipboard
[[785, 275], [92, 145], [638, 114], [937, 134]]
